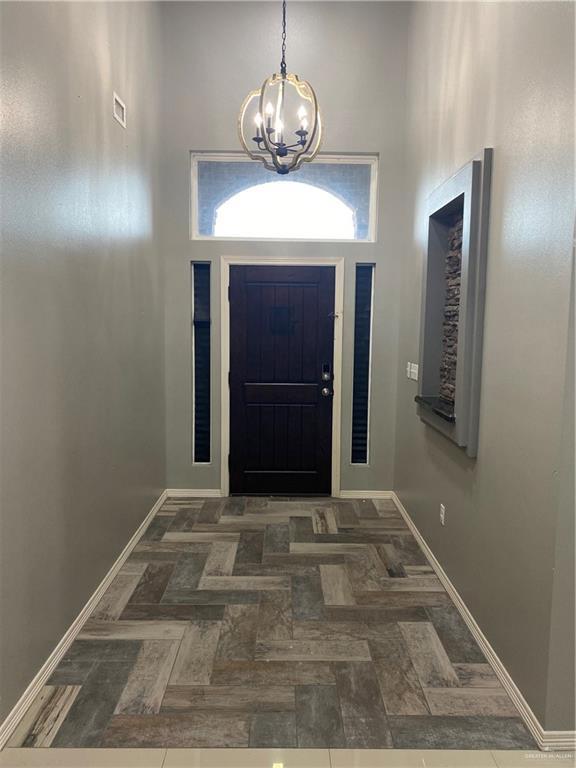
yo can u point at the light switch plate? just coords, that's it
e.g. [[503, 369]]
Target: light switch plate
[[414, 371], [408, 370]]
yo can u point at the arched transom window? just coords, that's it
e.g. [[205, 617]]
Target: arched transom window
[[333, 198], [287, 210]]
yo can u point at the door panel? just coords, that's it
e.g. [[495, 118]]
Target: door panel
[[281, 340]]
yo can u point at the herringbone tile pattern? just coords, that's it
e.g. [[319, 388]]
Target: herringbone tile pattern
[[264, 622]]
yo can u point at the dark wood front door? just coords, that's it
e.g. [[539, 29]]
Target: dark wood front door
[[281, 359]]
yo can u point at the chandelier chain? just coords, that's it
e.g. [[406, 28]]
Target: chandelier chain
[[283, 62]]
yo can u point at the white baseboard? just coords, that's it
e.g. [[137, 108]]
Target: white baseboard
[[53, 660], [209, 493], [193, 493], [546, 740], [366, 494]]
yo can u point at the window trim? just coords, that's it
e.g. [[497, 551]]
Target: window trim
[[373, 160]]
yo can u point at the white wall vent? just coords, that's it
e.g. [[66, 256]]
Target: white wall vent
[[119, 110]]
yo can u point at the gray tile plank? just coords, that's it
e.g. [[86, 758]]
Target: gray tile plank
[[470, 701], [210, 511], [324, 521], [221, 559], [148, 679], [369, 614], [336, 586], [238, 633], [417, 732], [301, 529], [198, 537], [185, 576], [175, 610], [116, 596], [428, 656], [318, 717], [132, 630], [193, 664], [455, 635], [366, 571], [307, 597], [184, 519], [234, 698], [234, 506], [244, 583], [70, 673], [250, 547], [476, 675], [402, 599], [93, 706], [363, 714], [102, 650], [303, 650], [266, 673], [399, 684], [153, 583], [157, 528], [41, 722], [276, 538], [275, 616], [200, 729], [209, 597], [273, 729]]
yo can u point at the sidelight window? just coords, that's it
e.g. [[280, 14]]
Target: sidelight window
[[362, 362], [201, 362]]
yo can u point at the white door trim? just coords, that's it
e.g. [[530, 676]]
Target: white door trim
[[225, 263]]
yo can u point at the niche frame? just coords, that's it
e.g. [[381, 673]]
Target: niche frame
[[468, 190]]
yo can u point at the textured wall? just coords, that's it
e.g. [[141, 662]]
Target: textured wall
[[486, 75], [82, 433], [214, 54]]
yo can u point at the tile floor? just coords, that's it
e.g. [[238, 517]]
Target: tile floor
[[277, 758], [267, 623]]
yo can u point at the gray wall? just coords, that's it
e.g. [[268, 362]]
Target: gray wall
[[214, 54], [82, 404], [560, 697], [499, 75]]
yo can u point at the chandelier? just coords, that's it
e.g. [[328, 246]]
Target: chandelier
[[280, 123]]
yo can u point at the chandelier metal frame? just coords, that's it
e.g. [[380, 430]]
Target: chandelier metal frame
[[269, 144]]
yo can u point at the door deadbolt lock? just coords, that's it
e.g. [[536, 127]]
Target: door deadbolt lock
[[326, 391]]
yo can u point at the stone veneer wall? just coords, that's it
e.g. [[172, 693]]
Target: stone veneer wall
[[452, 272]]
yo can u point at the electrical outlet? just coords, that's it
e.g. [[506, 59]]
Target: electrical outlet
[[442, 514]]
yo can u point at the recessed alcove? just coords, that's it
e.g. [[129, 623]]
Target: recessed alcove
[[452, 304]]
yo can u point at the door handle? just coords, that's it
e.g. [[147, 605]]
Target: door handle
[[326, 392]]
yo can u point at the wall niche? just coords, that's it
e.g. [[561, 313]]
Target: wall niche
[[453, 291]]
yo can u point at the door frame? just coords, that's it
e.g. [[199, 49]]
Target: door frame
[[301, 261]]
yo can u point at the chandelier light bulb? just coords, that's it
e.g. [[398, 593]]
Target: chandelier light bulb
[[289, 134]]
